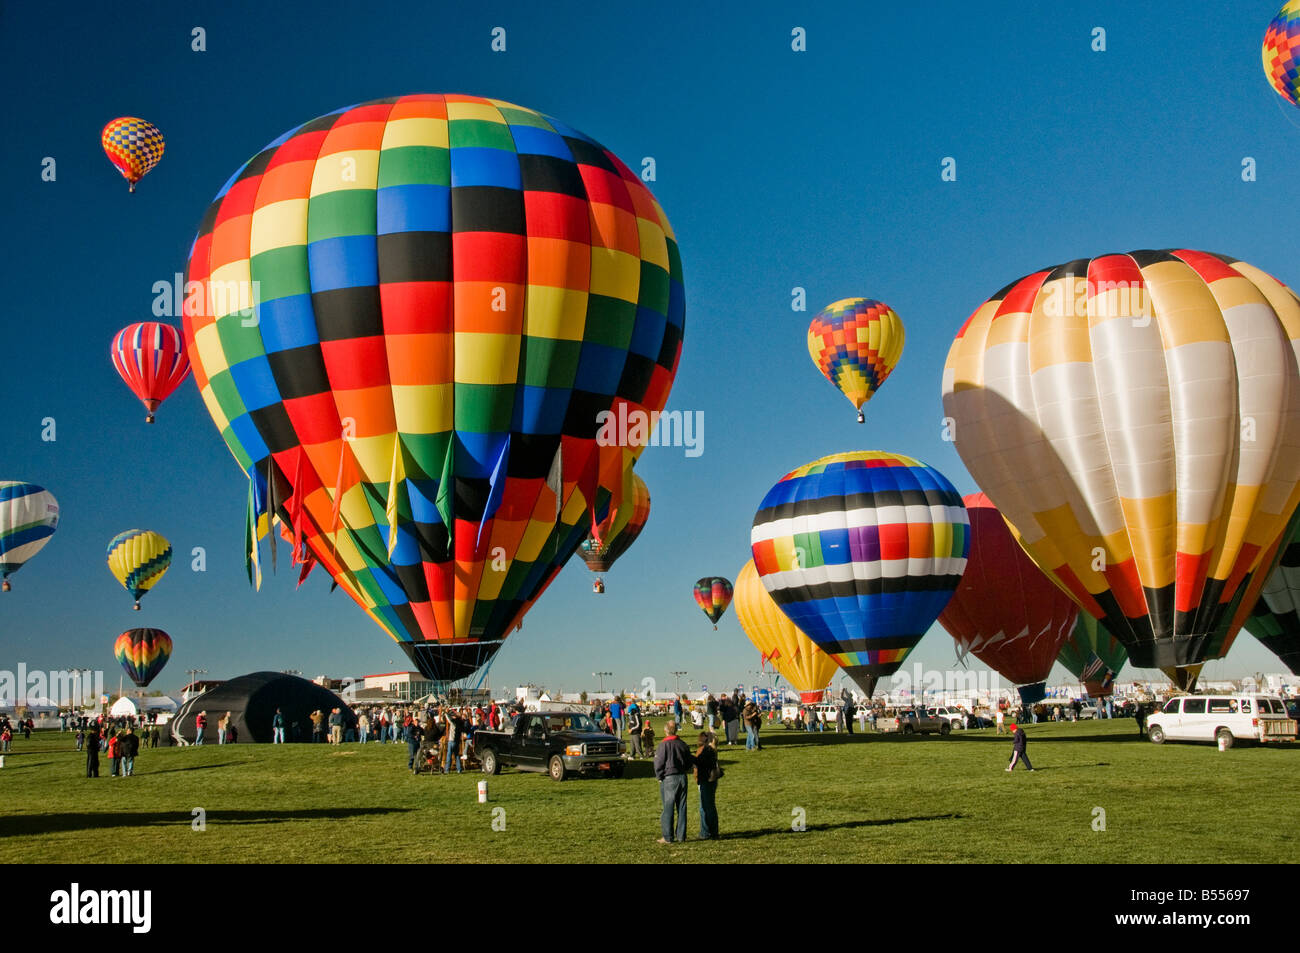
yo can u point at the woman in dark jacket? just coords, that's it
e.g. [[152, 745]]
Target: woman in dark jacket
[[92, 754], [707, 773]]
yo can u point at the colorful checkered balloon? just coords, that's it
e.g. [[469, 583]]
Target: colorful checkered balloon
[[1136, 419], [862, 551], [416, 315], [856, 343], [134, 146], [1281, 52], [713, 595], [142, 653]]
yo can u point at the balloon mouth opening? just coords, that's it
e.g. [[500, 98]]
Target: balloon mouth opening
[[862, 418]]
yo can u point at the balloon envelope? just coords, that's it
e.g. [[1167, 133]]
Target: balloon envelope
[[795, 656], [453, 295], [1281, 52], [133, 145], [856, 343], [862, 551], [1136, 418], [1093, 655], [619, 529], [29, 515], [1275, 616], [137, 559], [150, 358], [713, 595], [142, 653], [1006, 612]]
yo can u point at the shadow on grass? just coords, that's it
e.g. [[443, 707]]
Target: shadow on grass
[[26, 764], [192, 767], [36, 824], [843, 825]]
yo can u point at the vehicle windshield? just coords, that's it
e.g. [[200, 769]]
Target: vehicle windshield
[[564, 721]]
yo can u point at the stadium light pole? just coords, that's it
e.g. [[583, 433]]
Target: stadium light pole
[[602, 676], [677, 681]]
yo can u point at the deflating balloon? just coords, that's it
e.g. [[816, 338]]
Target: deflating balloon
[[862, 551], [29, 515], [1093, 655], [713, 595], [1136, 418], [454, 296], [1006, 612], [134, 146], [1281, 52], [137, 559], [142, 653], [856, 343], [151, 358], [795, 656]]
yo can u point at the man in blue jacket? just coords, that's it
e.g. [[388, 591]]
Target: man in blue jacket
[[1018, 742], [673, 763]]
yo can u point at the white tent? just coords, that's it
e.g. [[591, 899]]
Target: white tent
[[160, 703], [123, 708]]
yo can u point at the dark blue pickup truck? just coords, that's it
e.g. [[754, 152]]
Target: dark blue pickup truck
[[560, 743]]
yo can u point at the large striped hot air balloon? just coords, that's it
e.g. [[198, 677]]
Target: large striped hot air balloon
[[795, 656], [142, 653], [452, 294], [856, 343], [1006, 612], [862, 551], [1136, 418], [713, 595], [137, 559], [150, 357], [618, 530], [134, 146], [29, 515]]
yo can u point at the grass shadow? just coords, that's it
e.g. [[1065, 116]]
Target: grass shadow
[[29, 825], [842, 825]]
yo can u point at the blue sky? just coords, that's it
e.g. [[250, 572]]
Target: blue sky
[[778, 169]]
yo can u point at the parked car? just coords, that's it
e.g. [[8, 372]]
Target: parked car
[[1087, 711], [956, 717], [918, 721], [1223, 718], [559, 743]]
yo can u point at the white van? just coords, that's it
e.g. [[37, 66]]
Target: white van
[[1225, 718]]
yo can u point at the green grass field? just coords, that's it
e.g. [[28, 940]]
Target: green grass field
[[873, 798]]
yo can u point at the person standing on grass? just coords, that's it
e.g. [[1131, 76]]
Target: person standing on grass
[[412, 735], [752, 718], [731, 719], [1018, 743], [81, 739], [616, 717], [1140, 716], [677, 709], [277, 728], [200, 724], [634, 730], [672, 762], [129, 745], [114, 751], [92, 754], [1000, 718], [707, 773]]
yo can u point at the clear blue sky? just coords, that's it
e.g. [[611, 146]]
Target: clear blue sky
[[778, 169]]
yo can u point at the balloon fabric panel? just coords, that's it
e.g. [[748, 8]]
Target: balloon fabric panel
[[1281, 52], [29, 515]]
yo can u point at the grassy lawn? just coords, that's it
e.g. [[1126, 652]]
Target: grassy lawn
[[873, 798]]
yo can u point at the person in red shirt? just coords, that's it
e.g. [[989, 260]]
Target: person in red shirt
[[114, 754]]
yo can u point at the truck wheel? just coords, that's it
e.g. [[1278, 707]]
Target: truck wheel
[[945, 728], [555, 768], [1157, 735], [488, 759], [1224, 737], [907, 729]]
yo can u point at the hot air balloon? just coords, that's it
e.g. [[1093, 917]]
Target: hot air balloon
[[137, 559], [713, 595], [142, 653], [151, 358], [795, 656], [1275, 616], [1093, 656], [1136, 418], [1006, 612], [1281, 52], [29, 515], [618, 530], [134, 146], [856, 343], [454, 294], [862, 551]]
